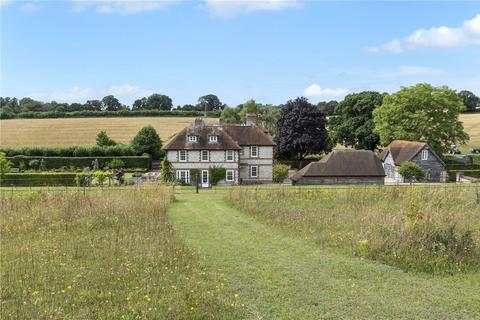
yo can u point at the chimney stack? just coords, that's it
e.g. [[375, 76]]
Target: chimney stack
[[199, 122], [251, 119]]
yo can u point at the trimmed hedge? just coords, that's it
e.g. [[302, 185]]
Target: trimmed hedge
[[452, 174], [74, 151], [134, 162], [38, 179], [106, 114]]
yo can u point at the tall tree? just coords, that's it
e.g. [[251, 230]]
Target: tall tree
[[140, 104], [327, 107], [421, 112], [230, 115], [93, 105], [353, 124], [300, 130], [210, 102], [110, 103], [158, 102], [28, 104], [470, 100], [148, 141]]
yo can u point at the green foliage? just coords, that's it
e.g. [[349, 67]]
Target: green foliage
[[470, 101], [74, 151], [216, 174], [39, 179], [327, 107], [101, 176], [137, 162], [280, 173], [230, 115], [452, 174], [103, 140], [167, 174], [421, 113], [5, 165], [210, 102], [116, 164], [353, 124], [83, 179], [148, 141], [411, 172], [34, 164]]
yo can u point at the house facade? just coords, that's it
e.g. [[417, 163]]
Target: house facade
[[342, 167], [401, 151], [244, 151]]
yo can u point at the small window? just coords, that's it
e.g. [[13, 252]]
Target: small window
[[182, 156], [253, 151], [192, 138], [229, 175], [253, 171], [212, 138], [183, 175], [230, 156], [425, 155], [204, 155]]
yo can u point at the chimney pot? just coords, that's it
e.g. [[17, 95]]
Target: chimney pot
[[251, 119], [199, 122]]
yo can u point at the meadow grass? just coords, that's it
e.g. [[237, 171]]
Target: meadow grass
[[83, 131], [471, 123], [105, 254], [431, 228]]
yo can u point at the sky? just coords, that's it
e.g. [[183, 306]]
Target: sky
[[269, 50]]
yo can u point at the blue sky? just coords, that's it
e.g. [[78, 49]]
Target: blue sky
[[269, 50]]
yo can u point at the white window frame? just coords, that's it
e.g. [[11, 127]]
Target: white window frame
[[184, 152], [183, 175], [192, 138], [229, 153], [213, 138], [251, 172], [252, 155], [232, 172], [201, 156], [424, 154]]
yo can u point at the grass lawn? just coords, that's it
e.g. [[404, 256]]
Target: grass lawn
[[279, 275], [83, 131]]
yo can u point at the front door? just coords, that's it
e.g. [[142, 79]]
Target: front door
[[204, 178]]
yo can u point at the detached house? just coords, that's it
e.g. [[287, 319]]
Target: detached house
[[401, 151], [245, 151]]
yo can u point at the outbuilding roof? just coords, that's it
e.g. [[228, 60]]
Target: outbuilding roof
[[344, 163], [403, 151]]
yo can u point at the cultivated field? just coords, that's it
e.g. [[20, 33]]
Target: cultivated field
[[471, 122], [83, 131], [106, 254]]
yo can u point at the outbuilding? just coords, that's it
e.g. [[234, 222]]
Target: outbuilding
[[342, 167]]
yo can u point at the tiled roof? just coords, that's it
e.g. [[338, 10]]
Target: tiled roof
[[344, 163], [402, 150], [229, 137]]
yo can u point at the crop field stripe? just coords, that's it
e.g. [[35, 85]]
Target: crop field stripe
[[280, 276]]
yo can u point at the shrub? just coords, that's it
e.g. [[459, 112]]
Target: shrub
[[216, 174], [452, 174], [411, 172], [5, 165], [39, 179], [73, 151], [280, 173], [83, 179], [167, 174], [116, 164], [34, 164], [133, 162], [148, 141], [103, 140], [101, 177]]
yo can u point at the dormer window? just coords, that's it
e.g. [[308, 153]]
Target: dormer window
[[212, 138], [192, 138]]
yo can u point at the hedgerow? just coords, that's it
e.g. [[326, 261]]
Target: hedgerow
[[130, 162]]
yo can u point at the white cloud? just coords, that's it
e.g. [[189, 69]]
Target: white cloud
[[121, 6], [315, 91], [468, 34], [229, 8], [126, 93]]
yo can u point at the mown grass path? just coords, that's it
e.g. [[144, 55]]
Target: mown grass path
[[279, 276]]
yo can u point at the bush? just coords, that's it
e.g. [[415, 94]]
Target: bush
[[411, 172], [132, 162], [101, 177], [39, 179], [167, 174], [103, 140], [452, 174], [148, 141], [116, 164], [5, 165], [74, 151], [217, 174], [280, 173], [83, 179]]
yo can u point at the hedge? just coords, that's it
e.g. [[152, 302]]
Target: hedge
[[452, 174], [73, 151], [105, 114], [134, 162], [38, 179]]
